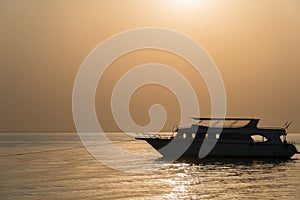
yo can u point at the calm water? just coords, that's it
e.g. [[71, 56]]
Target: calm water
[[56, 166]]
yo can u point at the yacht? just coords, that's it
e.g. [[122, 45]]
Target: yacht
[[231, 137]]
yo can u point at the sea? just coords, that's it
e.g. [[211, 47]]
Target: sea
[[58, 166]]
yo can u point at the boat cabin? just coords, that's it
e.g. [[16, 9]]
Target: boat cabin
[[235, 129]]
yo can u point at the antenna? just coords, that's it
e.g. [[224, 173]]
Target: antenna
[[287, 124]]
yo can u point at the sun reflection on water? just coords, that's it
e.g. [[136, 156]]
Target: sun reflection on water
[[222, 180], [182, 181]]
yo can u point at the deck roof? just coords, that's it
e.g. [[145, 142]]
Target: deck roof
[[226, 119]]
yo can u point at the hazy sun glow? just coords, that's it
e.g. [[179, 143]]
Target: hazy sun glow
[[185, 2], [43, 45], [184, 6]]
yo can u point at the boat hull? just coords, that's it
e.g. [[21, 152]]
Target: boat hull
[[227, 149]]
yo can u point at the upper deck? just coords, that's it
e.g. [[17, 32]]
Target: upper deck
[[226, 122], [242, 125], [231, 128]]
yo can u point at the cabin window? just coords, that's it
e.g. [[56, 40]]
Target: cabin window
[[217, 135], [258, 138], [184, 135], [282, 138], [193, 135]]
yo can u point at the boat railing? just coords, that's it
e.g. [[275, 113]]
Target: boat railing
[[153, 136], [293, 142], [272, 128]]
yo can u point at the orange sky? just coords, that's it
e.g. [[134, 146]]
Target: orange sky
[[255, 44]]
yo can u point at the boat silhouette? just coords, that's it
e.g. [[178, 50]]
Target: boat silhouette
[[230, 139]]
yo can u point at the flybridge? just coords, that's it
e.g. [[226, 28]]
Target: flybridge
[[229, 122], [252, 121], [227, 119]]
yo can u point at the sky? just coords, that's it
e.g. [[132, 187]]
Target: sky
[[254, 43]]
